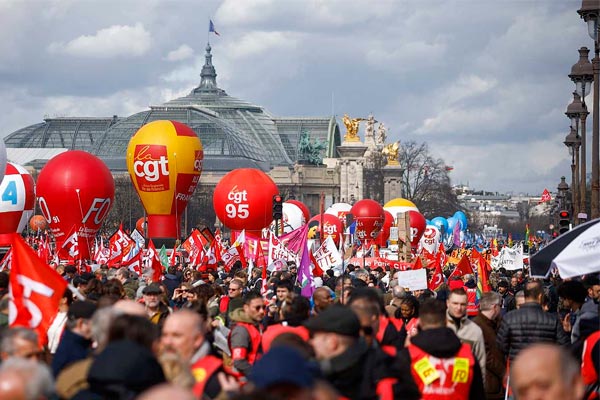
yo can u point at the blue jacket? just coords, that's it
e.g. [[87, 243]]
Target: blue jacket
[[72, 347]]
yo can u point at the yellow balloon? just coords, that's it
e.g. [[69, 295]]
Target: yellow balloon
[[164, 159], [399, 205]]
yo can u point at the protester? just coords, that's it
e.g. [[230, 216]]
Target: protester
[[245, 336], [20, 342], [25, 379], [157, 311], [546, 371], [529, 324], [466, 330], [322, 298], [436, 354]]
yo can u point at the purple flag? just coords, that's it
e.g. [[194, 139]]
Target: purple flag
[[456, 234]]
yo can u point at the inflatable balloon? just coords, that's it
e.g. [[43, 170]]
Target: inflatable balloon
[[431, 239], [164, 159], [302, 206], [293, 218], [417, 227], [399, 205], [75, 192], [243, 199], [339, 210], [332, 226], [462, 218], [141, 224], [2, 159], [38, 223], [441, 223], [428, 221], [17, 198], [383, 237], [451, 223], [369, 217]]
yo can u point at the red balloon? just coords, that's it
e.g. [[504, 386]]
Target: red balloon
[[369, 217], [332, 226], [381, 240], [243, 199], [17, 199], [417, 227], [38, 223], [302, 206], [75, 192], [141, 225]]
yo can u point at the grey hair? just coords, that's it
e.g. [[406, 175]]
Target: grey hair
[[35, 376], [361, 273], [489, 300], [399, 292], [101, 321], [520, 293], [7, 344]]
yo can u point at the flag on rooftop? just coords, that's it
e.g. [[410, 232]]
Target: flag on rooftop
[[211, 28]]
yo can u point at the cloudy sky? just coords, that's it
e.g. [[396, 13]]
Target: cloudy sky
[[483, 82]]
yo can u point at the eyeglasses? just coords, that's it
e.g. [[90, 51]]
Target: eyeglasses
[[232, 289], [185, 290], [258, 308]]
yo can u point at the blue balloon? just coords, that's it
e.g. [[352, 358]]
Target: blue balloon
[[428, 222], [441, 223], [459, 215], [452, 221]]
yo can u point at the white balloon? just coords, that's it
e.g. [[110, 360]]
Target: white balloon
[[293, 218], [430, 240], [2, 159], [339, 210]]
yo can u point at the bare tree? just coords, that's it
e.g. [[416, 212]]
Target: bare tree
[[425, 181]]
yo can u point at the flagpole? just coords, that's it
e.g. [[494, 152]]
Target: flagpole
[[208, 33]]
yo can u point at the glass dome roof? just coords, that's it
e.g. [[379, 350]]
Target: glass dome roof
[[234, 133]]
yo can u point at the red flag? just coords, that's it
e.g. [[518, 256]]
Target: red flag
[[441, 255], [260, 263], [134, 263], [154, 262], [70, 247], [5, 263], [546, 196], [120, 244], [418, 264], [316, 271], [483, 279], [173, 258], [463, 268], [437, 278], [35, 290]]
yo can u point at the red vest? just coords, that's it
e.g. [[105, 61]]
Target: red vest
[[251, 354], [202, 370], [588, 372], [472, 307], [448, 378]]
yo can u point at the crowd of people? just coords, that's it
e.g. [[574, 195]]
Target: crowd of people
[[228, 335]]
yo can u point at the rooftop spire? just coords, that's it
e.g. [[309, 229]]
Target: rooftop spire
[[208, 76]]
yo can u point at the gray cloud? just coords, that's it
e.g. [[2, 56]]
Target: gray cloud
[[483, 82]]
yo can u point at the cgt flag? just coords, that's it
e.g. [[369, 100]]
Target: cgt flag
[[35, 290], [546, 196]]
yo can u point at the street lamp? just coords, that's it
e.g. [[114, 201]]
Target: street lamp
[[573, 141], [590, 12], [582, 74]]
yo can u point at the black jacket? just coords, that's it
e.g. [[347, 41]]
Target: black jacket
[[443, 343], [356, 372], [72, 347], [528, 325]]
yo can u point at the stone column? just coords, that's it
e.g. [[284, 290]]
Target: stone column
[[392, 183]]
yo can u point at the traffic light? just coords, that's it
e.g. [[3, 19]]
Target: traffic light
[[564, 221], [277, 207]]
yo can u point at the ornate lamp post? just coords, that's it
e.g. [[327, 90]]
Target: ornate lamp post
[[590, 12], [582, 74], [573, 141]]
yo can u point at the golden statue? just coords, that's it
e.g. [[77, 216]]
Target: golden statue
[[391, 152], [352, 125]]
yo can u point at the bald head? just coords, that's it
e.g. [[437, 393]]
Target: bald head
[[183, 334], [166, 391], [12, 386], [322, 298], [546, 371]]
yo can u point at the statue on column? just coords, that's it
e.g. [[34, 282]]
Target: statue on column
[[381, 134], [352, 125], [370, 128], [391, 152]]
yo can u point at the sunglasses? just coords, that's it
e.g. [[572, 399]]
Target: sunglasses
[[231, 289], [258, 308]]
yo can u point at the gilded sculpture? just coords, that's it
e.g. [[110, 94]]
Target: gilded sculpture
[[391, 152], [352, 125]]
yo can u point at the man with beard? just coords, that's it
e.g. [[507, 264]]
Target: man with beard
[[184, 335], [156, 310]]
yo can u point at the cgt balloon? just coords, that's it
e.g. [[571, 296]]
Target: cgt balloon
[[243, 199], [75, 193], [17, 199], [332, 226], [302, 206], [339, 210], [369, 217], [164, 159], [383, 237], [417, 227]]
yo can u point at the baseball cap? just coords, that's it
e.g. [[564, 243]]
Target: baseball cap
[[81, 309], [281, 365], [335, 319], [152, 288]]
